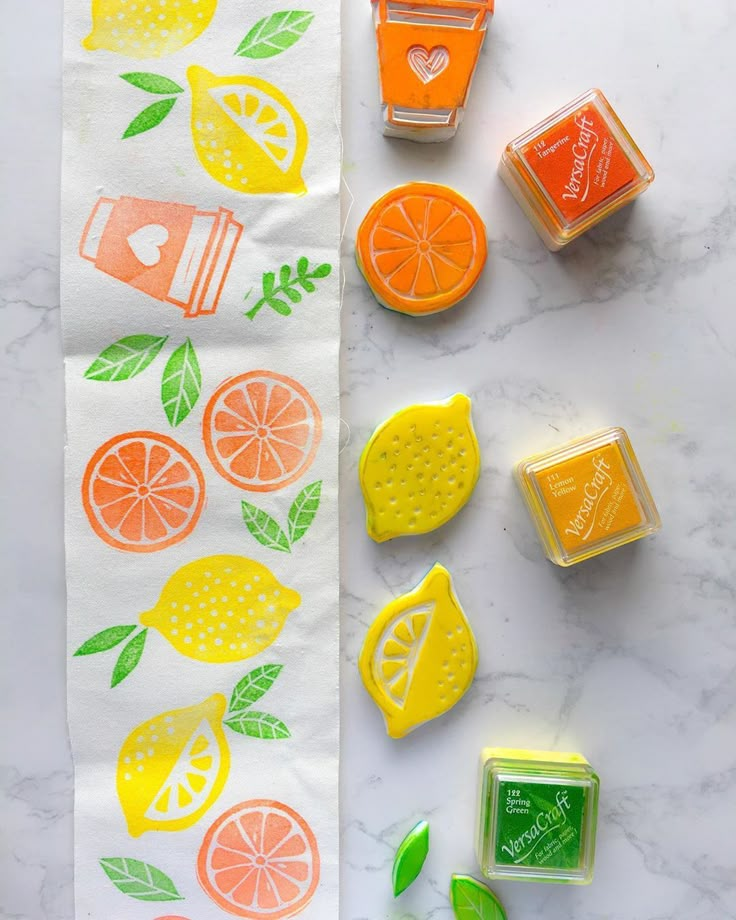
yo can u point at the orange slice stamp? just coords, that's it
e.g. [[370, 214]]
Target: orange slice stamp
[[142, 492], [421, 248], [259, 860], [261, 430]]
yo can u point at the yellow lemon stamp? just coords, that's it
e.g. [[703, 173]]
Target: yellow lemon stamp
[[419, 468], [136, 31], [419, 655], [217, 609], [173, 767], [247, 134]]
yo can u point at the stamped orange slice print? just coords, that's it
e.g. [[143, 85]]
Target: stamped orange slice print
[[142, 492], [421, 248], [259, 860], [261, 430]]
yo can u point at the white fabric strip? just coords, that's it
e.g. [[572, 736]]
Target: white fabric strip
[[200, 298]]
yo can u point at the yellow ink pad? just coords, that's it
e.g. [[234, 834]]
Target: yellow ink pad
[[588, 496]]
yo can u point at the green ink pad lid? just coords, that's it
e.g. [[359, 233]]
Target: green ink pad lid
[[537, 816]]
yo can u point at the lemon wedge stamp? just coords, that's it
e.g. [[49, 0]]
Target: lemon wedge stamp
[[173, 767], [247, 134], [419, 468], [419, 655], [217, 609]]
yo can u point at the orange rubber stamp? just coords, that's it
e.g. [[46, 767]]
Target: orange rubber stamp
[[421, 248], [427, 54]]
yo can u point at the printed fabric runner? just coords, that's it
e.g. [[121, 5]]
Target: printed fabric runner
[[200, 299]]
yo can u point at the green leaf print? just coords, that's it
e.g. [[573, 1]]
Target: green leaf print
[[105, 640], [150, 117], [290, 280], [264, 528], [274, 34], [152, 83], [253, 686], [140, 880], [257, 725], [473, 901], [125, 358], [181, 383], [303, 510], [129, 658]]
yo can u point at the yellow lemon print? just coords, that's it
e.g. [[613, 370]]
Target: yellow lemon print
[[419, 468], [247, 134], [419, 655], [147, 28], [173, 767], [221, 608]]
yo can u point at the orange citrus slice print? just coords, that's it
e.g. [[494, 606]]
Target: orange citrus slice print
[[142, 492], [421, 248], [261, 430], [259, 860]]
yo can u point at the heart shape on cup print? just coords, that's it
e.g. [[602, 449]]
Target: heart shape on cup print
[[146, 243], [428, 64]]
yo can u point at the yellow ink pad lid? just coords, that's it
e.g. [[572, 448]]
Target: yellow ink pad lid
[[588, 496]]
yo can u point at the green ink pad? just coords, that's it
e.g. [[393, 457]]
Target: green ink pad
[[537, 816]]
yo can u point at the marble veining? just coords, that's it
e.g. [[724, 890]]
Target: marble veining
[[629, 657]]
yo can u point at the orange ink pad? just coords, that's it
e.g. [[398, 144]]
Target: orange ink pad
[[574, 169], [421, 248], [427, 54], [588, 496]]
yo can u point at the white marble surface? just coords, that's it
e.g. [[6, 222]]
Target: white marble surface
[[631, 658]]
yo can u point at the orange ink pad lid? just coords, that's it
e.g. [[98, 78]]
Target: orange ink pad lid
[[588, 496], [574, 169]]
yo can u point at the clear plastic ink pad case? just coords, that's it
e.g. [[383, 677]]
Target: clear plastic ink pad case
[[537, 816], [588, 496], [574, 169]]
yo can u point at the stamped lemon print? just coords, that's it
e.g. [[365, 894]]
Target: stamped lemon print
[[419, 655], [173, 767], [419, 468], [217, 609], [247, 134], [147, 28]]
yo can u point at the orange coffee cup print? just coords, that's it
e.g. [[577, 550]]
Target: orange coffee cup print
[[261, 430], [173, 252], [142, 492], [260, 861], [427, 55]]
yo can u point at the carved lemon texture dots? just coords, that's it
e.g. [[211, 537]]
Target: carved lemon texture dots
[[419, 468]]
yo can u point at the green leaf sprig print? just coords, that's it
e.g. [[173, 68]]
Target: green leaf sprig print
[[181, 383], [274, 34], [290, 280], [155, 113], [140, 880], [472, 900], [267, 529], [246, 721], [109, 639]]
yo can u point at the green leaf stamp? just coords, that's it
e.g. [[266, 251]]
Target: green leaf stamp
[[258, 725], [253, 686], [274, 34], [140, 880], [267, 529], [410, 857], [293, 283], [472, 900], [152, 83], [153, 114], [181, 383]]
